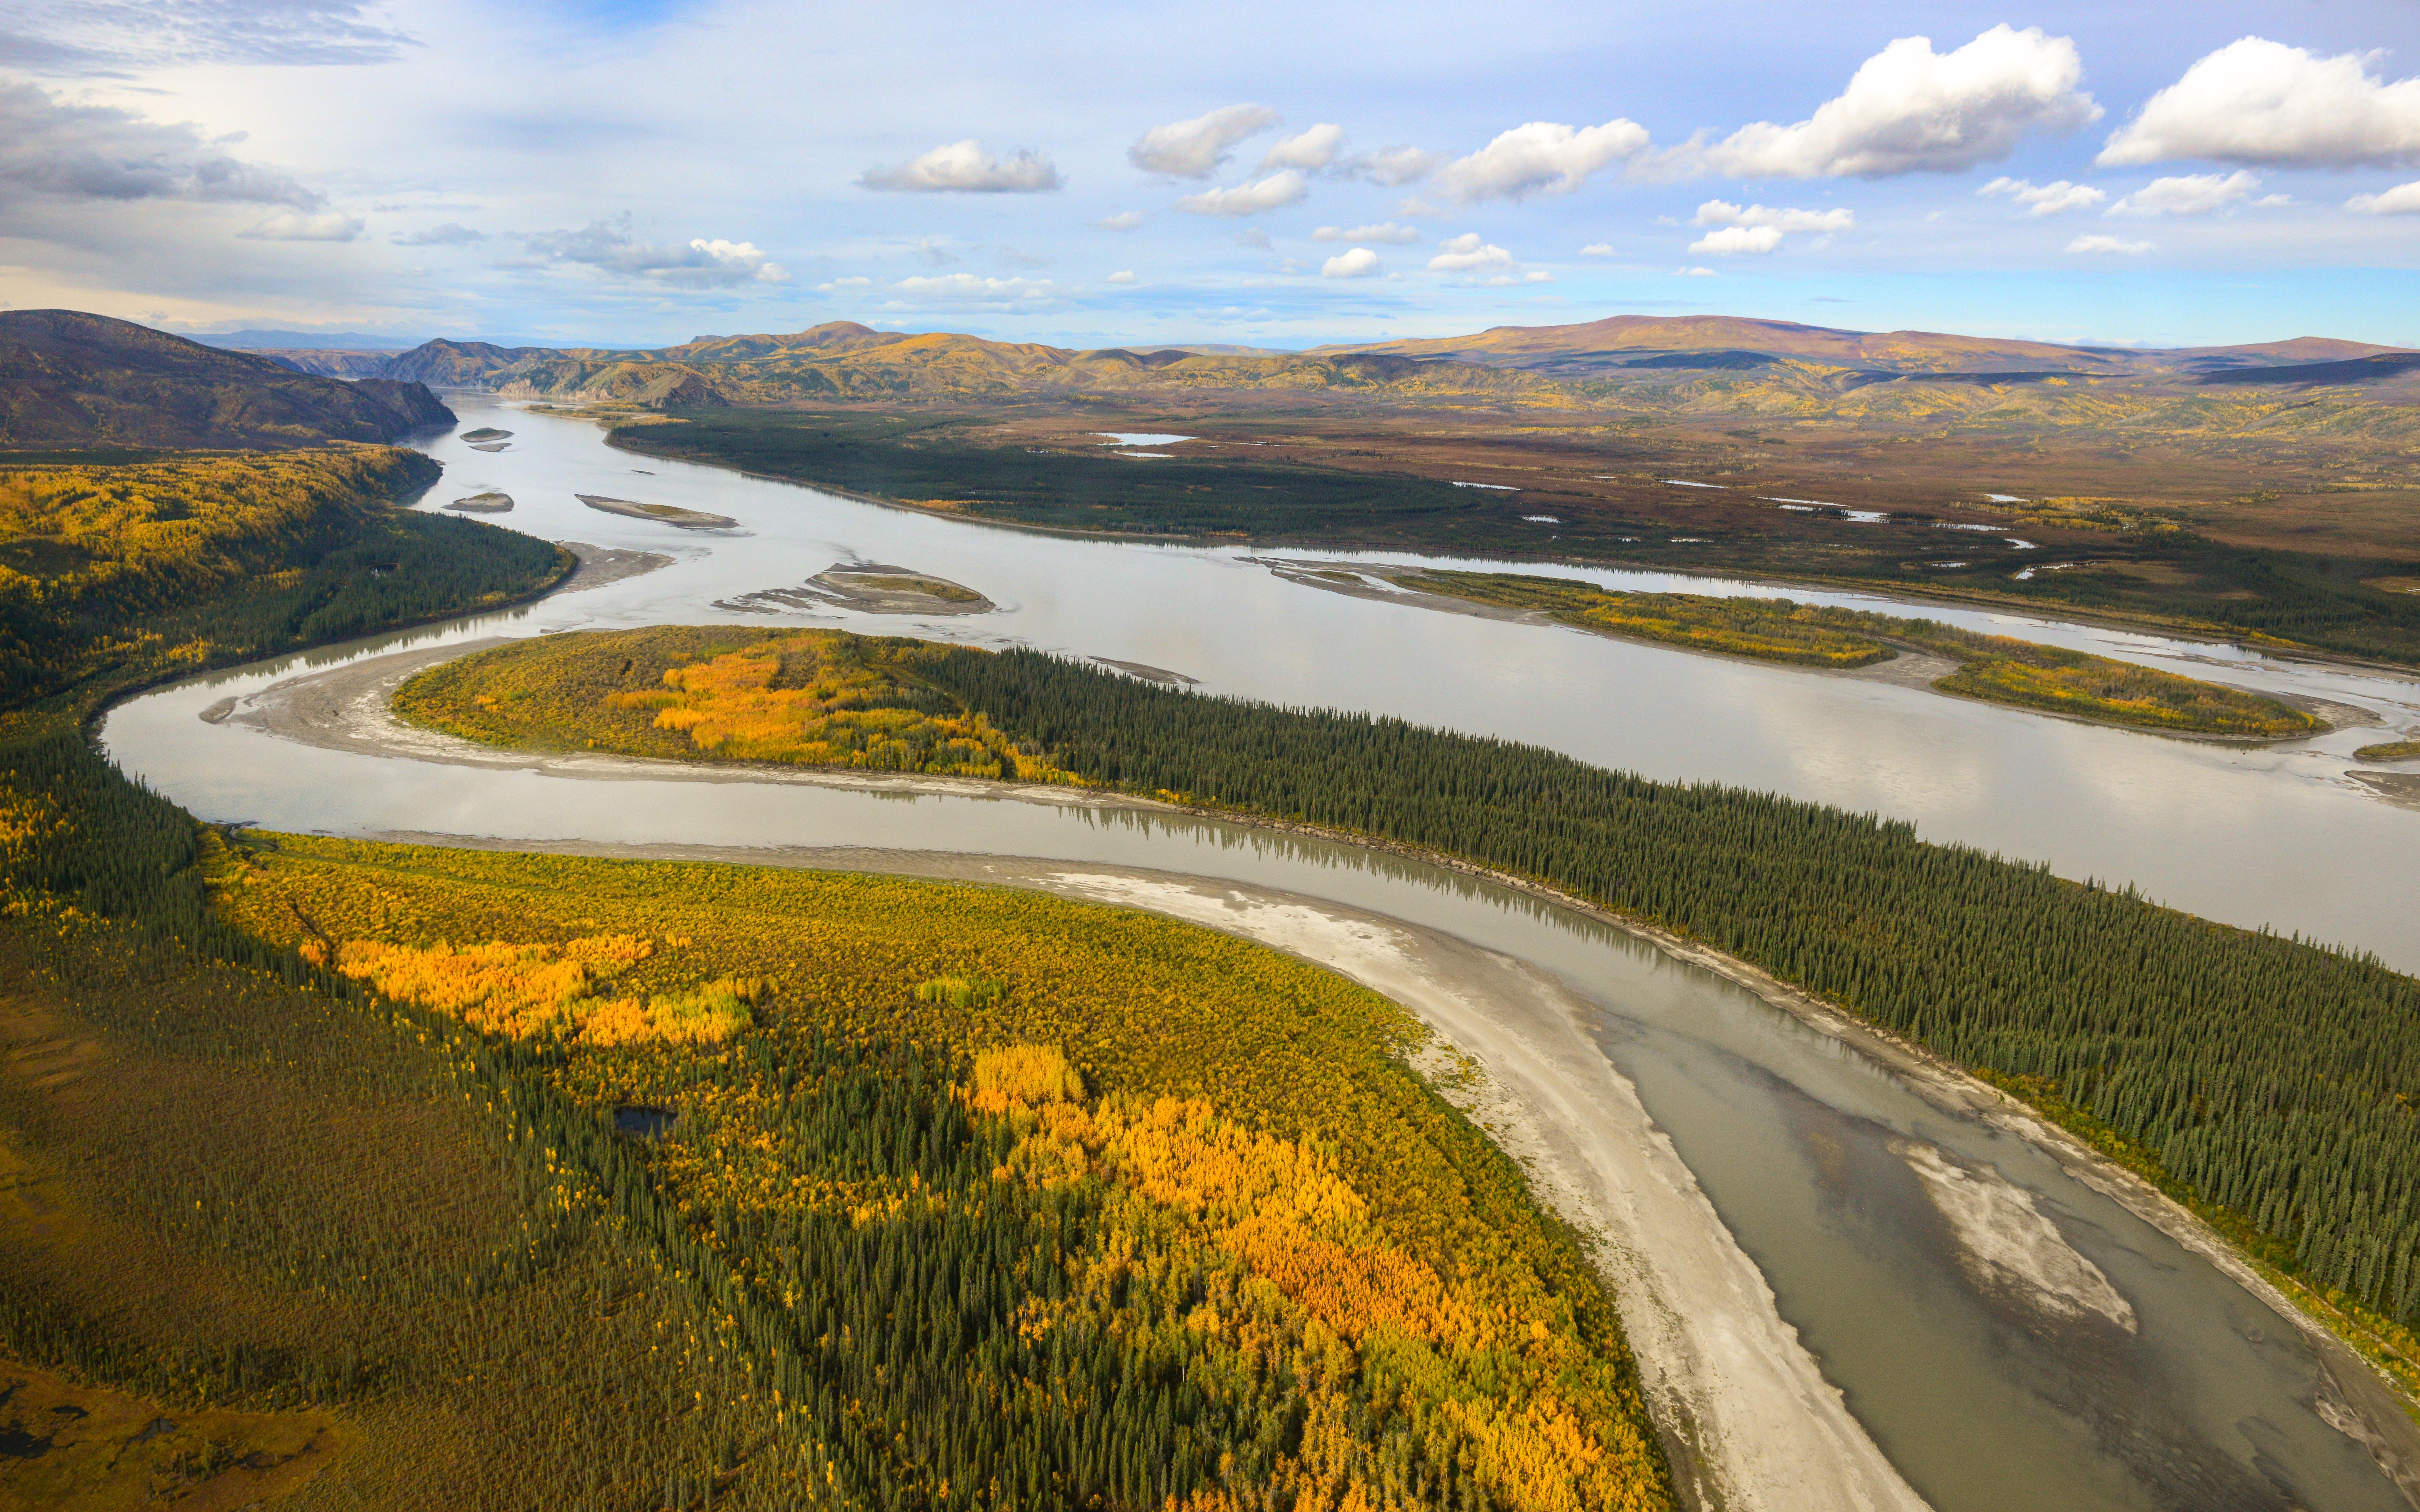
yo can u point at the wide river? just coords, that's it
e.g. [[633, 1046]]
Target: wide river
[[2166, 1386]]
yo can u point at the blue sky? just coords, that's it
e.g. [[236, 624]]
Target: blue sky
[[1268, 174]]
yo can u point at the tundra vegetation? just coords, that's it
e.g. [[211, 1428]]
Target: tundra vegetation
[[2264, 1080], [1996, 669], [967, 1196]]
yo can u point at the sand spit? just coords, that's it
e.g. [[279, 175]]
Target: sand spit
[[486, 432], [493, 502], [491, 446], [688, 520], [600, 564], [869, 588], [1148, 672], [2008, 1244]]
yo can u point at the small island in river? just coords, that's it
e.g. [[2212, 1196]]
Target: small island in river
[[688, 520], [870, 588], [491, 501]]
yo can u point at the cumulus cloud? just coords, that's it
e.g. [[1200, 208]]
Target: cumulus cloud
[[1123, 276], [1394, 166], [1276, 191], [1539, 158], [1466, 253], [609, 247], [1357, 262], [2195, 194], [1720, 212], [1309, 150], [1909, 109], [2107, 245], [2046, 199], [1597, 249], [1737, 239], [452, 234], [965, 168], [1383, 231], [2403, 199], [2260, 101], [302, 225], [1123, 221], [1195, 149], [1698, 272], [99, 153], [842, 285]]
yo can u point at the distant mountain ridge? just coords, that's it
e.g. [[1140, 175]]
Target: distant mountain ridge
[[1600, 348], [68, 379], [843, 360]]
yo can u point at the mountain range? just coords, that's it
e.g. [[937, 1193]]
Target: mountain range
[[1663, 359], [69, 379]]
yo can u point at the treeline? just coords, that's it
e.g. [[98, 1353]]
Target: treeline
[[2270, 1075]]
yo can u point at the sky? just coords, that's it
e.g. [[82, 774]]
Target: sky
[[645, 172]]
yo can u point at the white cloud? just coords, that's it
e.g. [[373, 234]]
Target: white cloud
[[965, 168], [452, 234], [1358, 262], [2107, 244], [1195, 149], [1720, 212], [971, 286], [1123, 221], [1698, 272], [2189, 194], [1539, 158], [1122, 276], [2403, 199], [1737, 239], [1382, 231], [302, 225], [1276, 191], [609, 247], [1394, 166], [1909, 109], [1310, 150], [841, 285], [2046, 199], [2255, 100], [1597, 249], [101, 153], [1467, 252], [112, 37]]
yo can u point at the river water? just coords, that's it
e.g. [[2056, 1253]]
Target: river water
[[2168, 1387]]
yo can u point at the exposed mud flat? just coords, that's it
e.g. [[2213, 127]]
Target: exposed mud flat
[[491, 446], [2401, 788], [688, 520], [600, 564], [869, 588], [1148, 672]]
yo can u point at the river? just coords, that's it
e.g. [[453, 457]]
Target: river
[[2008, 1336]]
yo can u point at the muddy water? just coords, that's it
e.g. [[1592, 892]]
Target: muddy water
[[2009, 1337], [2275, 836]]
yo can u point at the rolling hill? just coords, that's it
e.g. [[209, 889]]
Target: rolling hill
[[71, 380]]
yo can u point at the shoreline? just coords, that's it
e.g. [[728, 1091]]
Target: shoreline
[[2361, 1401], [1910, 668], [1918, 597]]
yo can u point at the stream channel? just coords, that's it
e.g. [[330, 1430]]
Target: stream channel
[[2005, 1335]]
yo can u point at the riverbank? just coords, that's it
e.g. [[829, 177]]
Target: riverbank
[[1951, 1089]]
